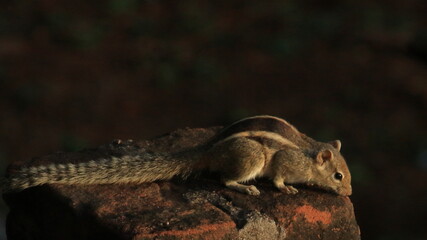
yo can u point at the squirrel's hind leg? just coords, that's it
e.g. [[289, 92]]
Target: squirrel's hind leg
[[248, 189], [243, 161]]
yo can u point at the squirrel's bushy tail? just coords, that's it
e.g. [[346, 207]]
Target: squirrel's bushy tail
[[146, 167]]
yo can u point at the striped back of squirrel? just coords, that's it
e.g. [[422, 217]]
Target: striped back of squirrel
[[264, 128]]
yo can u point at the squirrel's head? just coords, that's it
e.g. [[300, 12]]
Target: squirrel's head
[[331, 169]]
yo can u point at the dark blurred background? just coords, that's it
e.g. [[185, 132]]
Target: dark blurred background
[[77, 74]]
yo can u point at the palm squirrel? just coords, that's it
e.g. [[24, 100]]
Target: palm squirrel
[[260, 146]]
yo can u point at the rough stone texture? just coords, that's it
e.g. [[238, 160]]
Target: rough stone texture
[[198, 208]]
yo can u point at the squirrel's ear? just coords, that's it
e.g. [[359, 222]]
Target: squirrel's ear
[[336, 144], [324, 156]]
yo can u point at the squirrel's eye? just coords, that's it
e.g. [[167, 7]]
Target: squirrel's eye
[[338, 176]]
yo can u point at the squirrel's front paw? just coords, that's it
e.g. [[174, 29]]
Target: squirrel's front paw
[[288, 190]]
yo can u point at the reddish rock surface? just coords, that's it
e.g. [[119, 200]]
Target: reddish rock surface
[[198, 208]]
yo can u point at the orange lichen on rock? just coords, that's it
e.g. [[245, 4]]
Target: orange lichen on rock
[[312, 215]]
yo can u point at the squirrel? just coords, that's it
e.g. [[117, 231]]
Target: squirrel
[[259, 146]]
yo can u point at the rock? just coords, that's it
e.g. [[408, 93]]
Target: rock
[[197, 208]]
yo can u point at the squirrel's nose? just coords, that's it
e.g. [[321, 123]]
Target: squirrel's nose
[[348, 191]]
